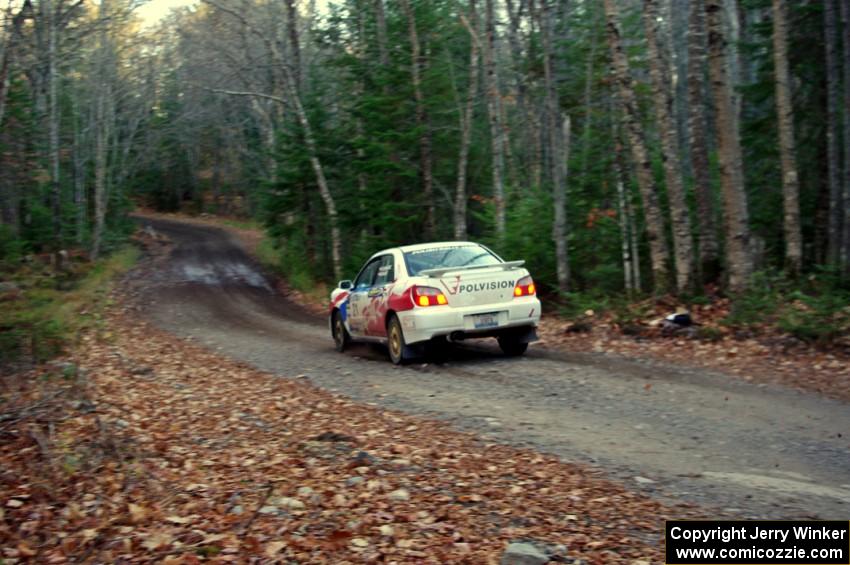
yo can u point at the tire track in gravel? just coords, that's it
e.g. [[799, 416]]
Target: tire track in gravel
[[677, 433]]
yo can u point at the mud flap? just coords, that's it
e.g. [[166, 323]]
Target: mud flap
[[527, 334]]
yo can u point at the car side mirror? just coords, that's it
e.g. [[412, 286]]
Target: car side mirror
[[345, 285]]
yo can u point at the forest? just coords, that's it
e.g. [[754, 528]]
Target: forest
[[620, 147]]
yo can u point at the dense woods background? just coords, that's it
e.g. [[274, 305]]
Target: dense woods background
[[637, 145]]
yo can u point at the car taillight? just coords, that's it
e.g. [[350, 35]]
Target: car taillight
[[524, 287], [428, 296]]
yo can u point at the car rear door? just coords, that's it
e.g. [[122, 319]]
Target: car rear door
[[358, 300], [376, 311]]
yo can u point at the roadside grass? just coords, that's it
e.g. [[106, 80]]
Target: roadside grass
[[292, 270], [50, 309], [815, 309], [242, 224]]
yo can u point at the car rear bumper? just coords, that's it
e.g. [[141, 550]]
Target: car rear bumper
[[519, 317]]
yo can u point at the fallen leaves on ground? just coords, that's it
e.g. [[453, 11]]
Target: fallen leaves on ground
[[161, 451], [765, 356]]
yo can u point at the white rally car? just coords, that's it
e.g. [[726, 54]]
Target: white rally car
[[412, 295]]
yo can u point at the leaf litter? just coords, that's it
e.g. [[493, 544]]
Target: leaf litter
[[158, 450]]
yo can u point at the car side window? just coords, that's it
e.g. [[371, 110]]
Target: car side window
[[386, 271], [367, 275]]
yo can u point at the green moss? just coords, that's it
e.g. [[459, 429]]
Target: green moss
[[53, 310]]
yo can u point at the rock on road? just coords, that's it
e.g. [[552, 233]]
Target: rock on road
[[735, 447]]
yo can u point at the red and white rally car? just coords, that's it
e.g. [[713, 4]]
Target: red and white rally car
[[412, 295]]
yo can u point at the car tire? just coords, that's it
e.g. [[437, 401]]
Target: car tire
[[398, 349], [339, 333], [511, 346], [438, 349]]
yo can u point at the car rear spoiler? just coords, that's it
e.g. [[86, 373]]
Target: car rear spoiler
[[439, 272]]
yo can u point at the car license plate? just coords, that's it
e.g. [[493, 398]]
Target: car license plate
[[486, 321]]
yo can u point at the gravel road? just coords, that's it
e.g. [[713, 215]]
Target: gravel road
[[677, 433]]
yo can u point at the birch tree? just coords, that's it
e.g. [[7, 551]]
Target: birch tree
[[102, 127], [787, 147], [294, 98], [661, 93], [494, 112], [698, 137], [833, 164], [466, 115], [558, 129], [739, 263], [658, 250], [50, 18]]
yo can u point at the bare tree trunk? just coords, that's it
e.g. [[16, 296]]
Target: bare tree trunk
[[381, 19], [466, 127], [709, 248], [494, 112], [739, 263], [265, 122], [324, 191], [588, 108], [422, 121], [845, 240], [682, 238], [833, 79], [295, 48], [633, 237], [526, 133], [8, 53], [560, 227], [675, 26], [79, 184], [53, 119], [362, 182], [628, 227], [785, 115], [733, 54], [100, 162], [532, 114], [558, 148], [321, 181], [658, 251], [623, 219], [102, 93], [294, 82]]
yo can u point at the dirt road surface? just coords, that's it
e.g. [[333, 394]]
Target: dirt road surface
[[754, 451]]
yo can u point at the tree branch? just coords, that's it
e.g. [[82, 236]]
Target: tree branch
[[277, 99]]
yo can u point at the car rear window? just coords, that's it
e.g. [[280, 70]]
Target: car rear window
[[448, 256]]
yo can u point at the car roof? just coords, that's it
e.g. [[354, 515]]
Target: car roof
[[435, 245]]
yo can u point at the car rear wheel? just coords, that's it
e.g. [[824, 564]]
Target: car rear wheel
[[399, 351], [438, 349], [340, 334], [512, 346]]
